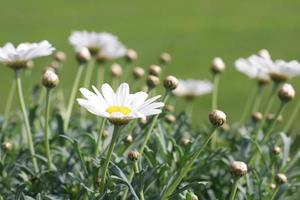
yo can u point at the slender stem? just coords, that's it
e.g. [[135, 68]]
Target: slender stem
[[102, 126], [186, 168], [47, 146], [136, 170], [114, 138], [234, 189], [214, 105], [87, 82], [292, 118], [26, 121], [8, 104], [274, 194], [146, 139], [72, 97], [271, 98], [257, 101], [100, 79]]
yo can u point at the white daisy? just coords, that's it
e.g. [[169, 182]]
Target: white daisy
[[113, 51], [255, 67], [281, 70], [192, 88], [17, 57], [119, 107], [92, 40]]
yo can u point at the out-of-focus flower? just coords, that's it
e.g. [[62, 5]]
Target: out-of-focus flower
[[281, 71], [238, 168], [165, 58], [217, 65], [286, 92], [17, 57], [113, 51], [116, 70], [193, 88], [138, 72], [217, 118], [119, 107], [131, 55]]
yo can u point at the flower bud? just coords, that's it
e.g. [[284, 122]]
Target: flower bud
[[142, 121], [264, 53], [276, 150], [152, 81], [116, 70], [280, 179], [286, 92], [238, 168], [256, 117], [83, 55], [170, 83], [133, 155], [60, 56], [170, 118], [184, 141], [154, 70], [217, 118], [50, 79], [273, 186], [128, 139], [194, 197], [55, 65], [217, 65], [104, 134], [29, 64], [138, 72], [225, 127], [165, 58], [169, 108], [131, 55], [7, 146]]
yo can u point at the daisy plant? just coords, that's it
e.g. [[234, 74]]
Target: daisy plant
[[119, 108], [17, 58]]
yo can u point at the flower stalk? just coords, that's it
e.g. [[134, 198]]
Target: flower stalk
[[8, 104], [292, 118], [234, 189], [102, 126], [215, 91], [47, 145]]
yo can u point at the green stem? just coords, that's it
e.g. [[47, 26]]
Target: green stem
[[292, 118], [8, 104], [114, 139], [47, 146], [72, 97], [274, 194], [147, 137], [26, 121], [136, 170], [186, 168], [215, 92], [100, 79], [234, 189], [87, 82], [102, 126]]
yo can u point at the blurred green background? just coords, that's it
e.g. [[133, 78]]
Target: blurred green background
[[192, 31]]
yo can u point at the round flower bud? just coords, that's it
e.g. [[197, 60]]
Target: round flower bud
[[273, 186], [256, 116], [104, 134], [280, 179], [286, 92], [264, 53], [131, 55], [165, 58], [133, 155], [225, 127], [83, 55], [154, 70], [55, 65], [238, 168], [170, 82], [60, 56], [217, 118], [276, 150], [138, 72], [169, 108], [184, 141], [142, 121], [194, 197], [29, 64], [170, 118], [7, 146], [152, 81], [128, 139], [217, 65], [116, 70], [50, 79]]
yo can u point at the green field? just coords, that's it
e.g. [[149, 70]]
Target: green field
[[192, 31]]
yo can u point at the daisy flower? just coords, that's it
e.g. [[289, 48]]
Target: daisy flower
[[18, 57], [255, 67], [192, 88], [281, 71], [119, 107], [94, 41], [113, 51]]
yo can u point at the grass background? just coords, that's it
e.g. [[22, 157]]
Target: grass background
[[193, 31]]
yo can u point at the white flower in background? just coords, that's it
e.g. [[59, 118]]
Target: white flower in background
[[17, 57], [94, 41], [192, 88], [255, 67], [119, 107], [281, 70], [113, 51]]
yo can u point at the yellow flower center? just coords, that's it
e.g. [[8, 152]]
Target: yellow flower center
[[120, 109]]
